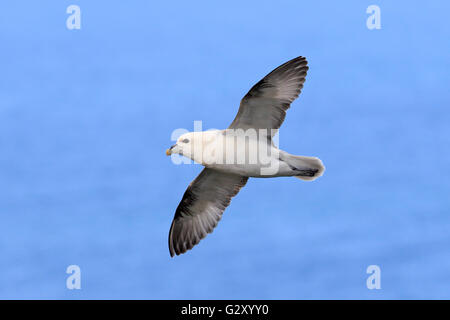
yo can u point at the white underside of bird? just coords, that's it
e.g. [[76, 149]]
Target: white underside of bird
[[248, 153]]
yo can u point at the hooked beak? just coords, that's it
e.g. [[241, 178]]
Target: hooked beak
[[169, 151]]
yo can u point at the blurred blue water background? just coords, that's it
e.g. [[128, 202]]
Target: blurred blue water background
[[85, 117]]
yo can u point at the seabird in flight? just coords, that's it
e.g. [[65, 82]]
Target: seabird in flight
[[246, 149]]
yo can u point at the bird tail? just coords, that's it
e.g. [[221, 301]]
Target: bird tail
[[305, 168]]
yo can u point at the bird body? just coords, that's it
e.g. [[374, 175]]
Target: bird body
[[245, 153], [231, 156]]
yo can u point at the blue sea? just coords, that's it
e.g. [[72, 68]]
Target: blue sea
[[86, 115]]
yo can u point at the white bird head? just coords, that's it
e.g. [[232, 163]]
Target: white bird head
[[193, 144], [183, 145]]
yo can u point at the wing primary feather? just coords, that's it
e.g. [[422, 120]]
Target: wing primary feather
[[201, 208], [266, 103]]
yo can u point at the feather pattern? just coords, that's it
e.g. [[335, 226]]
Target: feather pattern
[[201, 208], [265, 105]]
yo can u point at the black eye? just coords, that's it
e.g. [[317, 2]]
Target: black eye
[[185, 140]]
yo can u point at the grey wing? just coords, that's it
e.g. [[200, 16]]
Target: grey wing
[[265, 105], [201, 208]]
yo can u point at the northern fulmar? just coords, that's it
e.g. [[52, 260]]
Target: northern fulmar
[[246, 149]]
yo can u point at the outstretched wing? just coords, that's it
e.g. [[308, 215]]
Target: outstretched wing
[[265, 105], [201, 208]]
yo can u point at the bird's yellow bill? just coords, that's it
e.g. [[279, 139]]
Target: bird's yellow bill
[[168, 152]]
